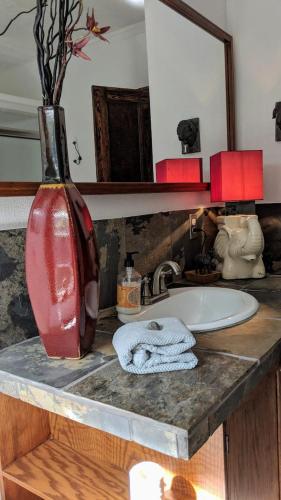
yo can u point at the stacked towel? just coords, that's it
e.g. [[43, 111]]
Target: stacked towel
[[154, 347]]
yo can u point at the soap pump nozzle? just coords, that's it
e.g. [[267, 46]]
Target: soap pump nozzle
[[129, 261]]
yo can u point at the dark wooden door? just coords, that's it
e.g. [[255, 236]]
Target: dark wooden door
[[122, 134], [253, 434]]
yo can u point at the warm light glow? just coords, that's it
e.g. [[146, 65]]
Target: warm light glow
[[146, 481], [136, 2], [150, 481], [202, 494]]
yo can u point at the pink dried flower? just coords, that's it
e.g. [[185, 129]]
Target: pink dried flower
[[76, 47], [94, 28]]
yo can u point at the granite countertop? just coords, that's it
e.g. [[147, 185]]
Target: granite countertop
[[173, 413]]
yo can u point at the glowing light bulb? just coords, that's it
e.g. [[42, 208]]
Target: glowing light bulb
[[136, 2]]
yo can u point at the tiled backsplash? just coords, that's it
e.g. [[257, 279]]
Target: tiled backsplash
[[270, 220], [16, 318], [156, 237]]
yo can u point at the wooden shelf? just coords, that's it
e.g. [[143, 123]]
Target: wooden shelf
[[13, 492], [52, 471], [101, 188], [45, 456]]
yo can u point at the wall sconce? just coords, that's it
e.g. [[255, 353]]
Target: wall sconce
[[237, 176], [277, 117], [179, 170]]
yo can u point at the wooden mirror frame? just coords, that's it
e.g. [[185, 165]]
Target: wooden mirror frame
[[101, 188]]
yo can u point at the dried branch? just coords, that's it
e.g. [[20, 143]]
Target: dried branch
[[55, 24], [17, 16]]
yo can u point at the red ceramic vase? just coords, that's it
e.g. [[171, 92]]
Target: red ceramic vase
[[62, 266]]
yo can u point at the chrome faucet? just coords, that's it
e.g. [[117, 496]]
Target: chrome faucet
[[165, 269]]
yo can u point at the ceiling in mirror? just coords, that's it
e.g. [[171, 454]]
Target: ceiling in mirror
[[17, 47], [18, 121]]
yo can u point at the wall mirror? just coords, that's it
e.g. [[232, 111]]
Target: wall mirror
[[19, 146], [164, 65]]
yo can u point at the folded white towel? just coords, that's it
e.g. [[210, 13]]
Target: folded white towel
[[143, 350]]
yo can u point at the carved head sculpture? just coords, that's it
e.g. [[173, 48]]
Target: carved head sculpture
[[277, 116], [189, 134]]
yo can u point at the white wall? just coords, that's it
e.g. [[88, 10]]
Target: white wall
[[20, 159], [255, 25], [187, 80], [14, 211]]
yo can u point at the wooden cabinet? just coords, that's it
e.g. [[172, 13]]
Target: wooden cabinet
[[45, 456], [36, 465], [253, 433], [279, 424]]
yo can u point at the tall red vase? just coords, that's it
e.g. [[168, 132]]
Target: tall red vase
[[62, 266]]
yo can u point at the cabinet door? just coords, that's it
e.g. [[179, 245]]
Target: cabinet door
[[279, 424], [123, 137], [252, 455]]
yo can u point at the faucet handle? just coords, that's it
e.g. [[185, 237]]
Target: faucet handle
[[146, 292]]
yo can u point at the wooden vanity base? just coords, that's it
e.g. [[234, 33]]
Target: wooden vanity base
[[45, 456]]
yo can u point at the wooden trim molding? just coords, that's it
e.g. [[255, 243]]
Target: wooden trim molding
[[101, 128], [101, 188], [20, 134], [102, 98], [230, 95], [195, 17]]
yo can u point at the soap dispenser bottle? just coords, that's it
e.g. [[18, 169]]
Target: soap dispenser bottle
[[129, 288]]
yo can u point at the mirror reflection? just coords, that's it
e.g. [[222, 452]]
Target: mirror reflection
[[155, 91], [19, 147]]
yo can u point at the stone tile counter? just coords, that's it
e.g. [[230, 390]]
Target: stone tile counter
[[173, 413], [29, 361], [185, 400]]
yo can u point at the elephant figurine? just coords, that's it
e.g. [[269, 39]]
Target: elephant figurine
[[240, 244]]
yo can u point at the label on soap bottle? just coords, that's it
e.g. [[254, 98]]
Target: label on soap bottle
[[128, 296]]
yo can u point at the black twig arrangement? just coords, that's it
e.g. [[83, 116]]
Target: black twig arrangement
[[55, 32]]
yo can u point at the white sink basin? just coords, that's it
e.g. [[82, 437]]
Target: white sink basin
[[202, 309]]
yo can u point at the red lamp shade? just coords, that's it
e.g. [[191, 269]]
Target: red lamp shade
[[179, 170], [237, 176]]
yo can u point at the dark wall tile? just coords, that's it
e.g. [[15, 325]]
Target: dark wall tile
[[270, 220], [184, 248], [156, 237], [111, 243], [8, 265], [211, 231], [16, 318], [150, 235]]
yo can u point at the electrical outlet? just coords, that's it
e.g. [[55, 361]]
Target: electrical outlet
[[193, 219]]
